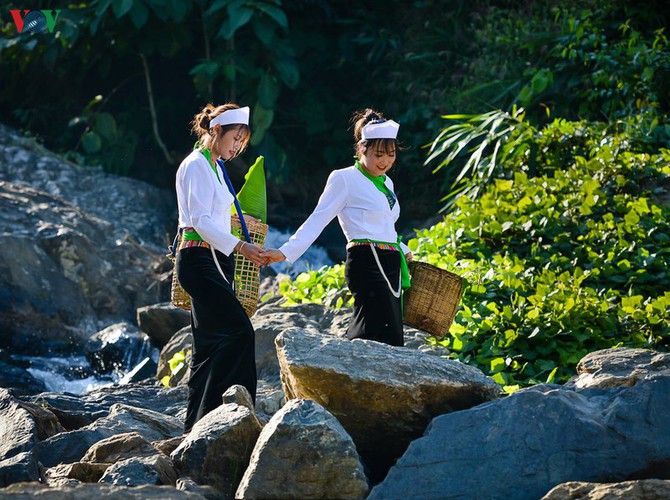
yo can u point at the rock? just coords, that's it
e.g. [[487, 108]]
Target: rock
[[76, 411], [216, 452], [161, 321], [384, 396], [620, 367], [303, 452], [112, 348], [187, 484], [167, 446], [86, 491], [145, 370], [522, 446], [17, 468], [71, 446], [46, 422], [62, 271], [269, 399], [138, 471], [268, 324], [238, 394], [18, 432], [119, 447], [647, 489], [70, 474], [181, 341], [20, 380]]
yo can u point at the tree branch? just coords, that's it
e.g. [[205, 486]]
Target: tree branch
[[152, 108]]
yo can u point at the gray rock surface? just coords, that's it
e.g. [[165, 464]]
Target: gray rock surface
[[303, 452], [137, 471], [620, 367], [216, 452], [81, 248], [113, 347], [20, 467], [18, 430], [384, 396], [119, 447], [76, 411], [87, 491], [161, 321], [522, 446], [74, 473], [647, 489], [71, 446]]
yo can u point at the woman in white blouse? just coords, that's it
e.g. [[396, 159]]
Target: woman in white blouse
[[223, 337], [363, 200]]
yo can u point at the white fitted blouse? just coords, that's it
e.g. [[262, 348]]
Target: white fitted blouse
[[361, 209], [204, 202]]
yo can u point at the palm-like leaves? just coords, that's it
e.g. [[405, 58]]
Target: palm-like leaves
[[490, 139]]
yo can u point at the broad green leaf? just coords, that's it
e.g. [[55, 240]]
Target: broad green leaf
[[252, 196]]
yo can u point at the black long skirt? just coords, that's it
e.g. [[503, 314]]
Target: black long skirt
[[377, 313], [223, 338]]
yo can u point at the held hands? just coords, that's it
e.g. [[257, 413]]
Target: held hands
[[272, 255], [251, 252]]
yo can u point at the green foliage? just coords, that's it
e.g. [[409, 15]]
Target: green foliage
[[324, 286], [177, 363]]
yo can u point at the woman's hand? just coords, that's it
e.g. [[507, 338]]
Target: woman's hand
[[251, 252], [272, 255], [409, 257]]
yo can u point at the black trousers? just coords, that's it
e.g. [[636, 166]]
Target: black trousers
[[223, 337], [377, 313]]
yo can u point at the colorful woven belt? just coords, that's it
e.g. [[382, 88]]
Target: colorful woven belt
[[186, 243], [381, 246]]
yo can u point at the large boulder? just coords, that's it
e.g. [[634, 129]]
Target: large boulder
[[79, 246], [646, 489], [217, 450], [522, 446], [72, 446], [384, 396], [161, 321], [303, 452], [620, 367]]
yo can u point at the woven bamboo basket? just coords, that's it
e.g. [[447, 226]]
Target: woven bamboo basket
[[247, 274], [431, 302], [178, 295]]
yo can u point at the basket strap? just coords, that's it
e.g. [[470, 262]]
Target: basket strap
[[216, 262], [220, 163], [381, 270]]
